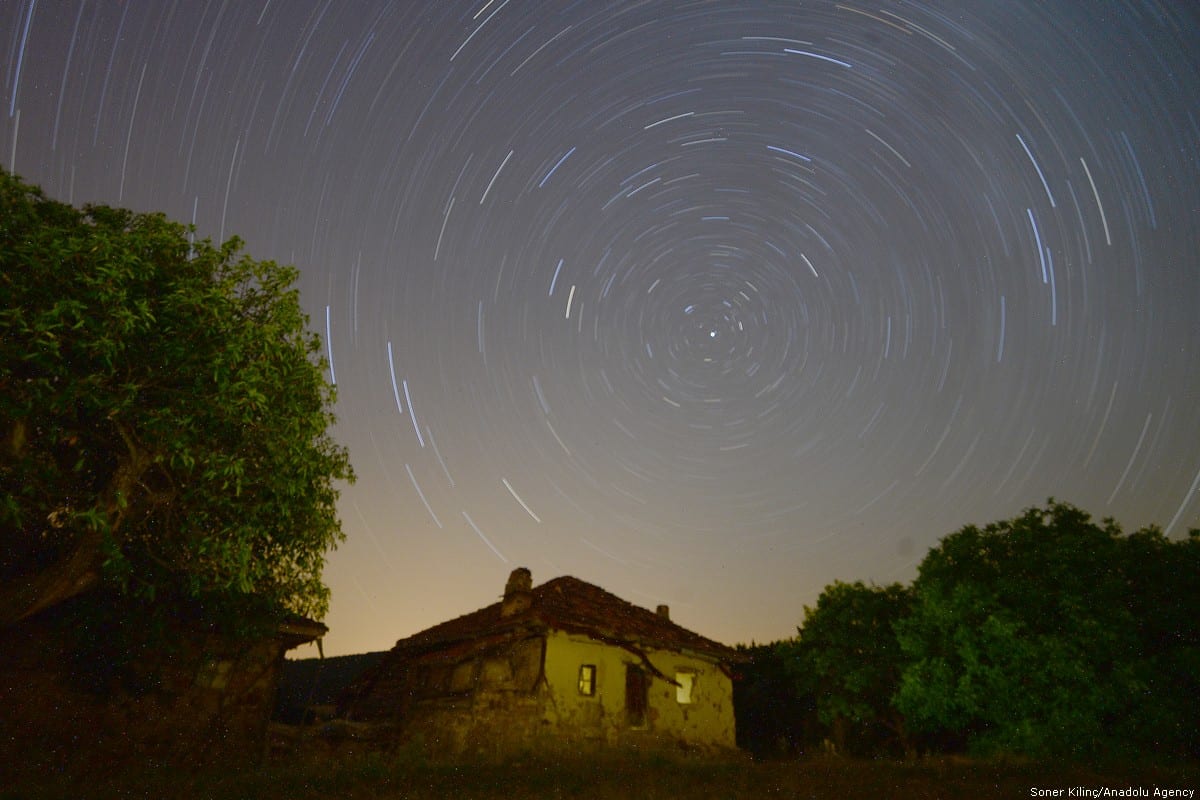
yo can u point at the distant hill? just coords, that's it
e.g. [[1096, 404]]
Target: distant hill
[[309, 682]]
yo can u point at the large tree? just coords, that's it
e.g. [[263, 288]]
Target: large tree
[[163, 414], [1051, 634], [847, 656]]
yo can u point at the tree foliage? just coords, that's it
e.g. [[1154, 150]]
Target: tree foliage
[[847, 655], [1045, 635], [164, 416], [1049, 634]]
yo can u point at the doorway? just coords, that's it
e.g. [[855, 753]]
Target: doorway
[[636, 688]]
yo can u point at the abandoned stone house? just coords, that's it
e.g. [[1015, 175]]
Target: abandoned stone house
[[74, 698], [564, 666]]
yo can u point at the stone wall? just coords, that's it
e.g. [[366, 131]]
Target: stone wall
[[205, 701], [481, 699]]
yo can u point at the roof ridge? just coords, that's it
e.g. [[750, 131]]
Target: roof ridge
[[571, 604]]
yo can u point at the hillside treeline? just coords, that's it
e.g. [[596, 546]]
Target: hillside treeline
[[1046, 635]]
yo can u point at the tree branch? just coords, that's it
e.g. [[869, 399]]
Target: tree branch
[[80, 570]]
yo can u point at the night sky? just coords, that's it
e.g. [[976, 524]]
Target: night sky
[[707, 303]]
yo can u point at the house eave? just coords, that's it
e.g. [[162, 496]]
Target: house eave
[[295, 631]]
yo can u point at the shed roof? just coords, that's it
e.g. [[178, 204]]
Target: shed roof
[[295, 630], [570, 605]]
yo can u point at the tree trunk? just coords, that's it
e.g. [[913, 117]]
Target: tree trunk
[[839, 733], [79, 571], [903, 737], [72, 575]]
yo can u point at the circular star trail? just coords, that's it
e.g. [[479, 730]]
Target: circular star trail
[[710, 304]]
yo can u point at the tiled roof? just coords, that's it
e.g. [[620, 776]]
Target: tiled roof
[[574, 606]]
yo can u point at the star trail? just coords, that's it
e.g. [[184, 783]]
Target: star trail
[[707, 303]]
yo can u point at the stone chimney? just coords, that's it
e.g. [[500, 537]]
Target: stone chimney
[[518, 592], [663, 611]]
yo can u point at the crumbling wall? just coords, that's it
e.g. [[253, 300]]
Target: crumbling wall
[[203, 701], [524, 696], [483, 699], [705, 721]]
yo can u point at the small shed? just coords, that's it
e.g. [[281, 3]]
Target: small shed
[[76, 696], [564, 666]]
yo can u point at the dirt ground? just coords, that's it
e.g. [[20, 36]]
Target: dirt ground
[[382, 777]]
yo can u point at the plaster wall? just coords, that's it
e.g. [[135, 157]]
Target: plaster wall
[[706, 721]]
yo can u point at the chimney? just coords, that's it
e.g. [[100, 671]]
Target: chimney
[[663, 611], [518, 592]]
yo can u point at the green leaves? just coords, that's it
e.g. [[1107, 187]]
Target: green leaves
[[168, 391], [1034, 635], [847, 655], [1045, 635]]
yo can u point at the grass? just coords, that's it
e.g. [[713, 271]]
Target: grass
[[382, 777]]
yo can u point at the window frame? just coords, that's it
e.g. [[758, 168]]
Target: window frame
[[587, 680], [685, 678]]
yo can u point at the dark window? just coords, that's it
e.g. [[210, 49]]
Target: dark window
[[587, 679], [636, 685]]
